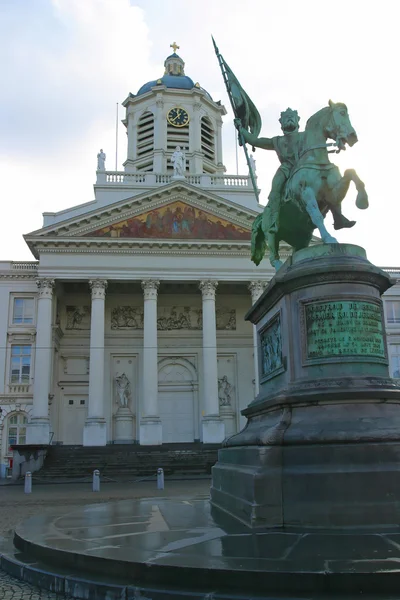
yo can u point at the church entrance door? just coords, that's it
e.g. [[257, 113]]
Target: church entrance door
[[73, 416], [176, 402]]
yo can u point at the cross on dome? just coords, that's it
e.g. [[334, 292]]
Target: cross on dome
[[174, 46]]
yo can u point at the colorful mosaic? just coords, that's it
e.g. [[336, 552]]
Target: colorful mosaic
[[176, 220]]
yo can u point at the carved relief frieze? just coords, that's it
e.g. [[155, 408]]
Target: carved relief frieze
[[171, 318], [127, 317], [179, 317], [225, 318], [78, 317]]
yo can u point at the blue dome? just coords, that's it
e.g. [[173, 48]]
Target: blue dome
[[178, 82]]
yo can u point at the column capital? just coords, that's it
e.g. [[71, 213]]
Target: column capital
[[45, 287], [150, 288], [98, 287], [208, 289], [256, 289]]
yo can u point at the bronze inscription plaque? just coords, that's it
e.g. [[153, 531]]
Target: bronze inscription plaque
[[344, 328]]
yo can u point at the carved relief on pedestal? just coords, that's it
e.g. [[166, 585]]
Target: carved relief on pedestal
[[271, 348], [127, 317], [78, 317]]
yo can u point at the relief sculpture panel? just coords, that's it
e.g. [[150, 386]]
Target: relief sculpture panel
[[271, 348], [171, 318], [225, 318], [179, 317], [127, 317], [78, 317]]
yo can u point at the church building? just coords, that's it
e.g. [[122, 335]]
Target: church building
[[128, 324]]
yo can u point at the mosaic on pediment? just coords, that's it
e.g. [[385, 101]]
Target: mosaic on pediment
[[171, 318], [78, 317], [176, 220]]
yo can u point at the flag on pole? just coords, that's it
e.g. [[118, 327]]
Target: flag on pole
[[242, 105], [243, 109]]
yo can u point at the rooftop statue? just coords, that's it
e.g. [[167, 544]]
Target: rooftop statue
[[307, 185]]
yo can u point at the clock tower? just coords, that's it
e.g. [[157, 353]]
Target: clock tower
[[173, 111]]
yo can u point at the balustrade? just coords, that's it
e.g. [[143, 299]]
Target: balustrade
[[120, 177]]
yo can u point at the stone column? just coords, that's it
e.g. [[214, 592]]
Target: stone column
[[150, 423], [212, 426], [38, 430], [256, 289], [95, 431]]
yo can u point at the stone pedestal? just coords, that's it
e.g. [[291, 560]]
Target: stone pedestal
[[95, 432], [213, 430], [150, 431], [123, 426], [321, 448]]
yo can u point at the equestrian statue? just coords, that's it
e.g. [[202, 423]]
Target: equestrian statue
[[307, 185]]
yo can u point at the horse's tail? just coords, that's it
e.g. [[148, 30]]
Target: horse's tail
[[258, 243]]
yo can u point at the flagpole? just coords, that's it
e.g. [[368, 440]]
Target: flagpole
[[116, 141], [240, 136], [236, 152]]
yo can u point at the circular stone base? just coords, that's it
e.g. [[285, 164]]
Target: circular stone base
[[171, 548]]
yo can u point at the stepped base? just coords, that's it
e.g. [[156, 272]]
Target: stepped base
[[179, 548], [127, 461]]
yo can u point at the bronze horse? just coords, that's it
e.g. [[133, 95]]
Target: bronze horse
[[315, 186]]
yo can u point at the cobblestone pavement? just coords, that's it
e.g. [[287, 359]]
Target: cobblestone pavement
[[13, 589], [17, 506]]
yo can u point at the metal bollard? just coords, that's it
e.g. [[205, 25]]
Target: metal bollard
[[28, 482], [160, 479], [96, 480]]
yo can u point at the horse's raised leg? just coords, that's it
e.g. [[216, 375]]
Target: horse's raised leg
[[311, 204], [341, 188]]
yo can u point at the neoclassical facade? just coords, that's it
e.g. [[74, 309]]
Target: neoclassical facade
[[128, 326]]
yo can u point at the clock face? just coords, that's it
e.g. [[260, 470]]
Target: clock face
[[178, 117]]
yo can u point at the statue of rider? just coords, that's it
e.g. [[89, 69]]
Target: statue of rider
[[288, 148]]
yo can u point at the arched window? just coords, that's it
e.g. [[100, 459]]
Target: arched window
[[208, 140], [145, 142], [17, 429]]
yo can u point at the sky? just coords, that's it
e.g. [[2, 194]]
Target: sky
[[66, 64]]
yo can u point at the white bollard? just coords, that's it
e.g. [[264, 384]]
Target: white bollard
[[96, 480], [28, 482], [160, 479]]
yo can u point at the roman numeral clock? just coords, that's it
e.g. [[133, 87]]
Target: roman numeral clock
[[177, 117]]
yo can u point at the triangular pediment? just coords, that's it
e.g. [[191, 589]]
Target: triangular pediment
[[178, 219], [177, 211]]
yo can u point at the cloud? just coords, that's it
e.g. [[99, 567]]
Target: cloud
[[65, 64]]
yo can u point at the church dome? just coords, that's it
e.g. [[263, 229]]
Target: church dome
[[174, 76], [178, 82]]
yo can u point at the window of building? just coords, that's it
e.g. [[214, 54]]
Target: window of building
[[395, 360], [23, 311], [393, 311], [145, 141], [20, 364], [17, 429], [207, 139]]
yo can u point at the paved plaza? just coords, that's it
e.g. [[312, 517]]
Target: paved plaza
[[17, 506]]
